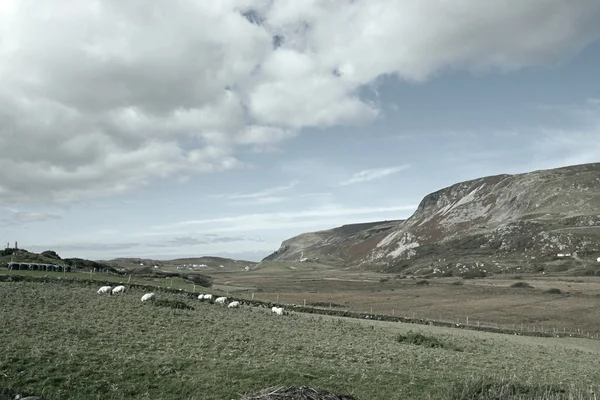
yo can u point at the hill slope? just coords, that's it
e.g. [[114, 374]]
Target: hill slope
[[498, 223], [337, 247]]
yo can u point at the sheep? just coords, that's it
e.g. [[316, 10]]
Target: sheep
[[148, 296], [220, 300], [104, 289], [234, 304], [208, 297], [200, 296], [118, 289], [277, 310]]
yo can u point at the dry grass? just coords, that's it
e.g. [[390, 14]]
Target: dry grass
[[489, 300]]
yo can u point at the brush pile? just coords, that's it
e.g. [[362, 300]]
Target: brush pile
[[295, 393]]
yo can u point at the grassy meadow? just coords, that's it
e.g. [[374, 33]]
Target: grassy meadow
[[64, 341]]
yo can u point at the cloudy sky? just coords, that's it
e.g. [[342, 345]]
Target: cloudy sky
[[187, 128]]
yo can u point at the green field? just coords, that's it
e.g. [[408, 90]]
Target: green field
[[64, 341]]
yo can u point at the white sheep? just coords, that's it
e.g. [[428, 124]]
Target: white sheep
[[148, 296], [277, 310], [200, 296], [234, 304], [104, 289], [208, 297], [118, 289], [220, 300]]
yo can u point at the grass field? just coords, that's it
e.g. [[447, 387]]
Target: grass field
[[64, 341], [492, 300]]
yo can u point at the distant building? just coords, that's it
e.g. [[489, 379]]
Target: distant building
[[598, 259], [563, 255]]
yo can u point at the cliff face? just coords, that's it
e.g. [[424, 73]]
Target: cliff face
[[494, 223]]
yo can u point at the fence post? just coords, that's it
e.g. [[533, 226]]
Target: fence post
[[330, 305], [304, 302], [252, 296], [393, 312], [467, 320], [194, 288], [170, 285], [371, 310], [129, 280]]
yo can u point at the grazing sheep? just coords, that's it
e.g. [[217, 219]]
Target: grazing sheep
[[208, 297], [104, 289], [234, 304], [220, 300], [200, 296], [148, 296], [277, 310], [118, 289]]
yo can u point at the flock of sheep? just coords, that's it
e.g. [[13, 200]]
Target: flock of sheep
[[151, 296]]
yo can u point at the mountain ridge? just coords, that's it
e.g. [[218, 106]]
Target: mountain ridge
[[495, 223]]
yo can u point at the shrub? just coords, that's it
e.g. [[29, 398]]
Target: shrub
[[202, 280], [175, 304], [521, 285], [324, 304], [553, 291], [474, 274], [422, 282]]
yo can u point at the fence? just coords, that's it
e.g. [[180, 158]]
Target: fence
[[393, 314]]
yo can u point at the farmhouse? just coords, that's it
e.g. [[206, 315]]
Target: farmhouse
[[563, 255]]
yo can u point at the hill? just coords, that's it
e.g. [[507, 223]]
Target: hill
[[192, 263], [337, 247], [547, 220], [50, 257]]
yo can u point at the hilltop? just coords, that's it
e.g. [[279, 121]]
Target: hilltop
[[546, 220]]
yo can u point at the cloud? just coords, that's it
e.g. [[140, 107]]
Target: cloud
[[325, 216], [262, 197], [195, 241], [35, 216], [101, 98], [370, 174]]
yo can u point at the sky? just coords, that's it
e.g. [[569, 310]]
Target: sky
[[131, 128]]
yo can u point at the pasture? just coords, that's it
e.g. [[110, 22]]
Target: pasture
[[65, 341], [492, 300]]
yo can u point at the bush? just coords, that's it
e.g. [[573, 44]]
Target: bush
[[553, 291], [202, 280], [474, 274], [419, 339], [175, 304], [422, 282], [521, 285], [50, 254], [324, 304]]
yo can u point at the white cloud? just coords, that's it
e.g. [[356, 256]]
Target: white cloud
[[99, 98], [23, 216], [327, 216], [370, 174]]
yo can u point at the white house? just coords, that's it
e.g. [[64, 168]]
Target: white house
[[563, 255], [598, 259]]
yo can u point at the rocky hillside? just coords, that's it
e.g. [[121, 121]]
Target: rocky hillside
[[544, 221], [338, 246]]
